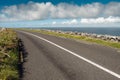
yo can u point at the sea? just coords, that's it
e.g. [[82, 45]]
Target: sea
[[114, 31]]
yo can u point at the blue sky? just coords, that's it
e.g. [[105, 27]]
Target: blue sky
[[78, 2], [59, 13]]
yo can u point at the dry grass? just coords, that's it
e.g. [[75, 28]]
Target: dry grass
[[8, 55]]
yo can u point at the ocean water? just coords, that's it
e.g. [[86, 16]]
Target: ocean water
[[105, 31]]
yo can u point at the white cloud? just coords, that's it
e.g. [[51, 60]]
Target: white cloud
[[31, 11], [112, 9], [54, 22], [98, 20], [101, 20], [74, 21], [37, 11]]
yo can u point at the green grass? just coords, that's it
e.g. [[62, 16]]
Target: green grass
[[8, 65], [78, 37]]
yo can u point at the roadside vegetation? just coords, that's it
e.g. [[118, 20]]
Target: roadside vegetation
[[78, 37], [8, 55]]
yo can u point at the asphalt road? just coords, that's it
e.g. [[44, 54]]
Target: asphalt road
[[54, 58]]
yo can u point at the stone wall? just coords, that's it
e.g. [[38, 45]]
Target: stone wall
[[103, 37]]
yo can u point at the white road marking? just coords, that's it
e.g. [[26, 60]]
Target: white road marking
[[118, 51], [73, 53]]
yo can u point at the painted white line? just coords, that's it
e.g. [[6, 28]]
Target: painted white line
[[118, 51], [73, 53]]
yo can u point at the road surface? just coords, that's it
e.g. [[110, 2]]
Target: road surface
[[55, 58]]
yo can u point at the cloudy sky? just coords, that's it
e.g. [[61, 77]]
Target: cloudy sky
[[59, 13]]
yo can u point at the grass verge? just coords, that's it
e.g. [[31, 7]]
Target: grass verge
[[8, 55], [78, 37]]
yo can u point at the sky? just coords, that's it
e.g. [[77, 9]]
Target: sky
[[59, 13]]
